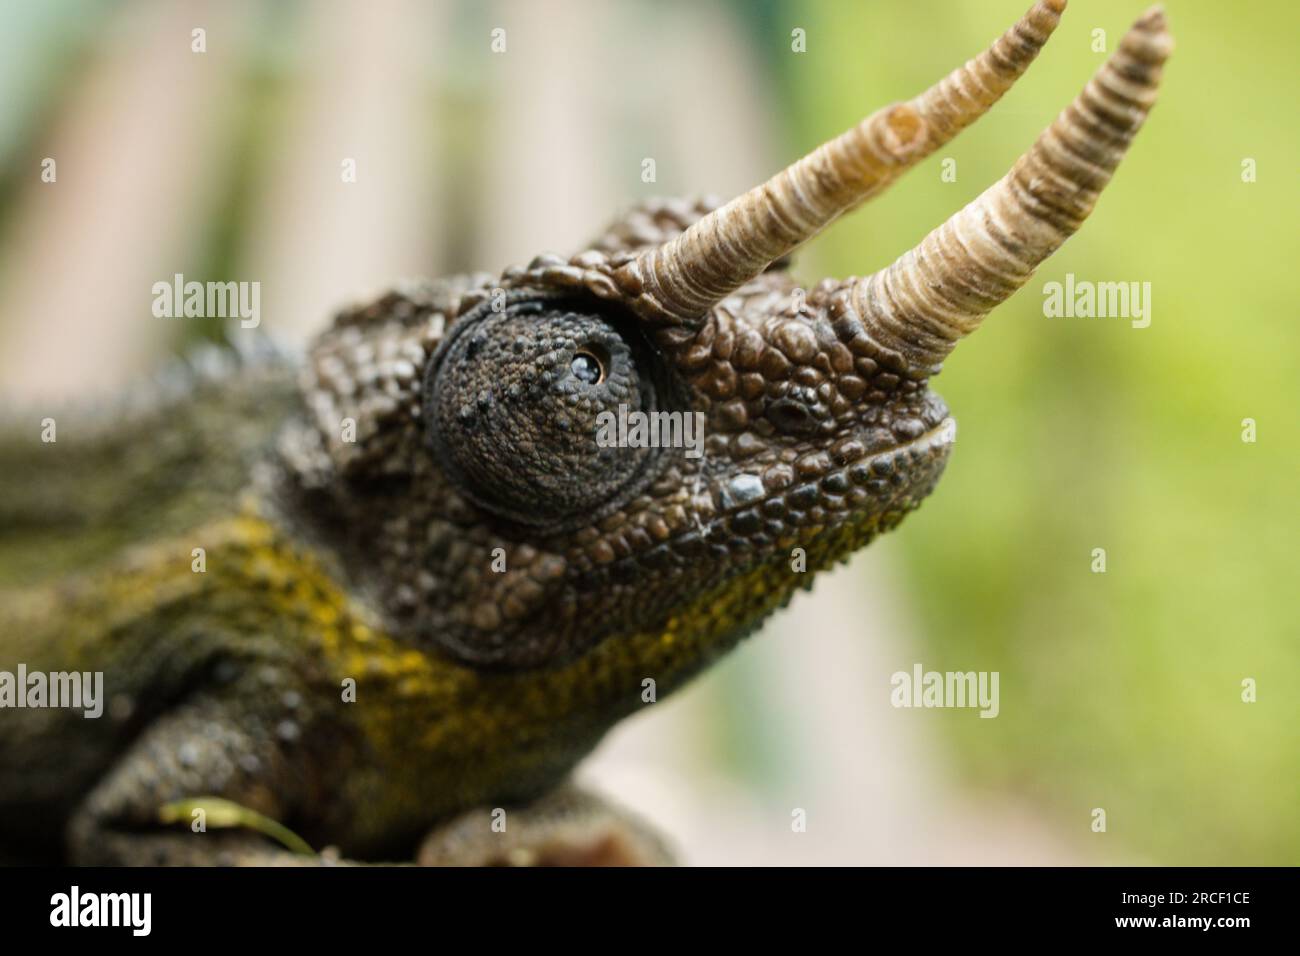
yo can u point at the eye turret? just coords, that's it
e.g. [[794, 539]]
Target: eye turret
[[512, 398]]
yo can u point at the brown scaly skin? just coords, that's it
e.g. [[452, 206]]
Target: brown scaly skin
[[427, 514]]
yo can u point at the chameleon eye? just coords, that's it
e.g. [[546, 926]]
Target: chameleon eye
[[587, 367], [512, 402]]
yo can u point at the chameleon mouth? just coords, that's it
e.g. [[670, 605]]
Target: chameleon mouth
[[939, 438], [942, 434], [865, 483], [892, 478], [831, 513]]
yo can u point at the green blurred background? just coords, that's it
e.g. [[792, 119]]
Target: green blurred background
[[1119, 691]]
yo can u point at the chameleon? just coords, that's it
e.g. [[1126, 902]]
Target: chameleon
[[357, 604]]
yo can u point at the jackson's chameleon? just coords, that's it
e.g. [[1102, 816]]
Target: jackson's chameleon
[[363, 598]]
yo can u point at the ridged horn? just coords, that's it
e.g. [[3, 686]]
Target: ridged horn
[[681, 279], [941, 290]]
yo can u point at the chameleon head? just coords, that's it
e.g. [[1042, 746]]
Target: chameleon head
[[668, 421]]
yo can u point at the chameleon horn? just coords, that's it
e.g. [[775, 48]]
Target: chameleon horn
[[680, 280], [940, 291]]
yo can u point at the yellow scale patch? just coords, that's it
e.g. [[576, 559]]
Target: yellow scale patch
[[417, 711]]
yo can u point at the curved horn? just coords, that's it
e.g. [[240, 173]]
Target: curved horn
[[680, 280], [940, 291]]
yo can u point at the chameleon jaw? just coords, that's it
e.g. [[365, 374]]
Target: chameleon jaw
[[860, 482]]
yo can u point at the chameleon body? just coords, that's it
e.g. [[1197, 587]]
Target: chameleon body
[[424, 589]]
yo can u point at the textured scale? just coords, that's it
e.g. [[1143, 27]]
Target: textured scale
[[418, 514]]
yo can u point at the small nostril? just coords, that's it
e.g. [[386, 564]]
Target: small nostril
[[791, 417]]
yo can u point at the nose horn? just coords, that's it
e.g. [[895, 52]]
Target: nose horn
[[940, 291], [679, 281]]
